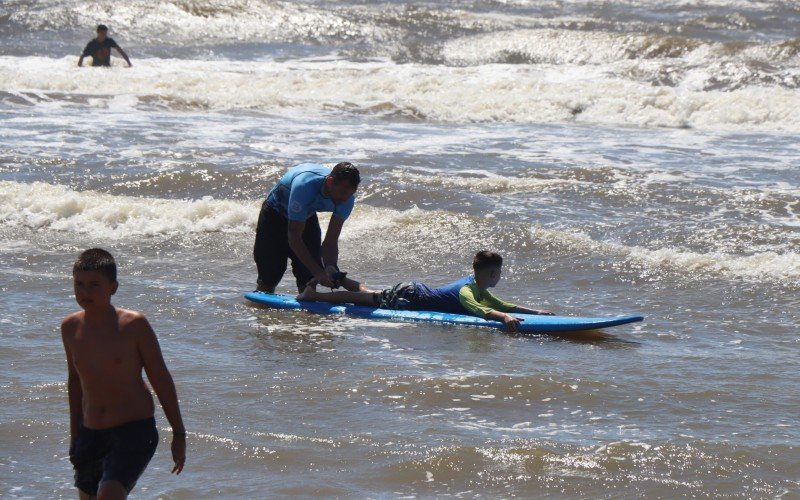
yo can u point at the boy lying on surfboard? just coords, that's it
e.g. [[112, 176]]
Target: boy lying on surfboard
[[469, 295]]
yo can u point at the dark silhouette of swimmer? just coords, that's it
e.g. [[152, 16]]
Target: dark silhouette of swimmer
[[99, 49]]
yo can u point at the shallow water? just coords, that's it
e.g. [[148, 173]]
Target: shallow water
[[623, 158]]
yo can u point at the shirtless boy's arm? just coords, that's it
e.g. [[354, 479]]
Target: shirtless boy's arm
[[74, 389], [164, 387]]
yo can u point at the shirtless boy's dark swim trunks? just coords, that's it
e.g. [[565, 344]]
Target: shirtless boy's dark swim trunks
[[119, 454]]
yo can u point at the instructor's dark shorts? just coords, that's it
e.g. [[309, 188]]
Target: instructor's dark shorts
[[117, 454], [271, 250]]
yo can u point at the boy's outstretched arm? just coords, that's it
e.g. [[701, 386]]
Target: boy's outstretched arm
[[74, 389], [164, 387], [493, 309], [511, 322], [527, 310]]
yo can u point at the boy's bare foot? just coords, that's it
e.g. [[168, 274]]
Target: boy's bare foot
[[308, 294]]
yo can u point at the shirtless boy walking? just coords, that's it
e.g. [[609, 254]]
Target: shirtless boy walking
[[113, 433]]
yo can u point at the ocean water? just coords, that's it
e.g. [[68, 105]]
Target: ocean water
[[623, 156]]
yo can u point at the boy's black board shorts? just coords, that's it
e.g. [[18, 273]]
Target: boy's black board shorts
[[402, 296], [119, 454]]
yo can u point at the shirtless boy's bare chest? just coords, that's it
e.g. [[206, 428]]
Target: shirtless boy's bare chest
[[102, 355]]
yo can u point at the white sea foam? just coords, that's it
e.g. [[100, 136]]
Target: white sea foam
[[207, 21], [551, 46], [54, 207], [490, 93], [770, 265], [653, 59], [482, 182], [668, 4], [197, 21]]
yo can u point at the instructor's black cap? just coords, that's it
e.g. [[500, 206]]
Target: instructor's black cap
[[102, 27]]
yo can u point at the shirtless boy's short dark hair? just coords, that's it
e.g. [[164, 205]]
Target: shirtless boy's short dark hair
[[97, 259], [346, 171], [486, 260]]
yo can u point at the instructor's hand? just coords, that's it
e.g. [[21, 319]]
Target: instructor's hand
[[323, 279]]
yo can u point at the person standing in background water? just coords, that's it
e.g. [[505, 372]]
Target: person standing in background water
[[100, 49]]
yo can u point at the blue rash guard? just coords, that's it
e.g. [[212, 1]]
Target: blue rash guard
[[459, 297], [443, 299], [298, 195]]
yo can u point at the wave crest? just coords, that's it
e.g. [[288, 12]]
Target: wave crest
[[39, 205], [492, 93]]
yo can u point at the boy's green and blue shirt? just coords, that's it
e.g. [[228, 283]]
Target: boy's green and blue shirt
[[481, 304], [462, 297]]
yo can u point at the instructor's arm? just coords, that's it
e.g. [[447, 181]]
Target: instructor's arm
[[330, 247], [301, 251]]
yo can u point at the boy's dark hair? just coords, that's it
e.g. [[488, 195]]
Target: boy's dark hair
[[486, 260], [346, 171], [102, 27], [97, 259]]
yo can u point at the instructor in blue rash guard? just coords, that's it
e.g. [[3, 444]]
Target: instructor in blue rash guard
[[288, 227]]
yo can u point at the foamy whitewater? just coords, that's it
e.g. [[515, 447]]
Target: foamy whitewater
[[625, 157]]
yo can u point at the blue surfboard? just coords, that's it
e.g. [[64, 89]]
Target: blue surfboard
[[531, 323]]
